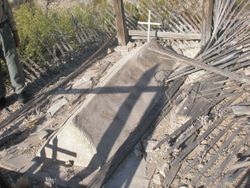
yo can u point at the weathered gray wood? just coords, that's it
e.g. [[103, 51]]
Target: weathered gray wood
[[137, 34], [184, 153], [207, 21], [195, 181], [204, 110], [228, 160], [242, 164], [169, 179], [226, 62], [210, 146], [122, 32], [233, 76], [241, 109]]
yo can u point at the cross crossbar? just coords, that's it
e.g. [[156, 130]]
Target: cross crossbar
[[149, 23]]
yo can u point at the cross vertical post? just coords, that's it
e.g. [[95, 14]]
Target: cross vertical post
[[149, 19], [207, 19], [122, 32], [149, 23]]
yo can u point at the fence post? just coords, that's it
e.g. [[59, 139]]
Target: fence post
[[122, 32], [207, 21]]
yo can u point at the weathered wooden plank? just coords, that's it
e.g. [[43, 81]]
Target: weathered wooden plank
[[171, 138], [192, 22], [209, 147], [169, 179], [122, 32], [242, 164], [223, 58], [166, 35], [184, 153], [233, 76], [241, 109], [227, 161], [13, 137], [207, 21], [201, 172]]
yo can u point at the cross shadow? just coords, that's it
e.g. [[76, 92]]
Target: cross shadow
[[42, 163], [148, 118], [109, 138]]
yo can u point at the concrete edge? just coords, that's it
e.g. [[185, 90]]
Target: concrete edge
[[117, 66]]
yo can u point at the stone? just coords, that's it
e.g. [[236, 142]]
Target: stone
[[69, 163], [183, 186], [83, 83], [200, 166], [247, 71], [156, 179], [55, 107], [150, 145], [110, 50], [240, 110], [122, 49], [130, 45], [162, 169]]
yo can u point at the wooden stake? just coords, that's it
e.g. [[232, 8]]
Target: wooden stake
[[207, 20], [122, 32]]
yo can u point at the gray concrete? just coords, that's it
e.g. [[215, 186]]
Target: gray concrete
[[131, 173], [110, 112]]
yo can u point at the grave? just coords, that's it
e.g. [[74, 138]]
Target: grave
[[111, 110]]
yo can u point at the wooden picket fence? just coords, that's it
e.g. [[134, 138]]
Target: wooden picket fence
[[62, 55]]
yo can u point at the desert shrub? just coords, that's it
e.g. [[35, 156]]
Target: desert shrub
[[35, 29], [38, 29]]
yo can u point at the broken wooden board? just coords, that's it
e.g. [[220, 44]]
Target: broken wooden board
[[137, 34], [241, 110], [198, 64]]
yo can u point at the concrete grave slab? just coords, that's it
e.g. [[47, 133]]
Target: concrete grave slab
[[111, 111]]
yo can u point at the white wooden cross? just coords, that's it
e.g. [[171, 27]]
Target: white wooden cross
[[149, 23]]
